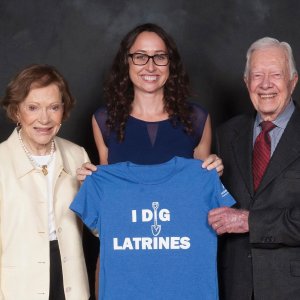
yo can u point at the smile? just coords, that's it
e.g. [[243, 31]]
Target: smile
[[149, 77], [268, 96], [42, 130]]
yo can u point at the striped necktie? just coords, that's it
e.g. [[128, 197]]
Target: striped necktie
[[261, 152]]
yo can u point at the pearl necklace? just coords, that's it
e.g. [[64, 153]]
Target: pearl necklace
[[33, 161]]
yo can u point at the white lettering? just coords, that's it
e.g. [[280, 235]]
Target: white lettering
[[133, 216], [147, 215], [127, 244], [137, 241], [164, 215], [155, 243], [175, 242], [116, 245], [185, 243], [146, 243], [164, 243]]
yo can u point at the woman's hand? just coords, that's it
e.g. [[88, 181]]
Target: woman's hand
[[213, 162], [85, 170]]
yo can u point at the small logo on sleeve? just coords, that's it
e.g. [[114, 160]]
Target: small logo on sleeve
[[224, 191]]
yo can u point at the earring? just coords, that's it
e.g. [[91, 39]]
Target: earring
[[19, 125]]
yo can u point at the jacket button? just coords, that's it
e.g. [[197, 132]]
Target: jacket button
[[59, 229], [68, 289], [65, 259]]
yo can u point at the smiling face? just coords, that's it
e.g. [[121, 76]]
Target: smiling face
[[40, 115], [268, 82], [148, 78]]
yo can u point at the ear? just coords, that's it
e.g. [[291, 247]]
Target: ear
[[246, 82], [293, 83], [17, 116]]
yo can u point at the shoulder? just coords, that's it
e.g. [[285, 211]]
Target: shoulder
[[101, 110], [236, 123], [296, 111], [71, 154], [3, 145], [198, 117], [5, 151], [198, 109], [100, 114], [10, 142], [68, 146]]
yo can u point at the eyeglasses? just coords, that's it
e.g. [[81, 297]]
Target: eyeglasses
[[35, 109], [142, 59]]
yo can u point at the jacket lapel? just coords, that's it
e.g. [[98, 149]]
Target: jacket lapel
[[21, 162], [287, 150], [242, 147]]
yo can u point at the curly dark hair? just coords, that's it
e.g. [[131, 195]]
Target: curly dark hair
[[118, 88]]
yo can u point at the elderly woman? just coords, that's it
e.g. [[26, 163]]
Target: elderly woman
[[41, 250]]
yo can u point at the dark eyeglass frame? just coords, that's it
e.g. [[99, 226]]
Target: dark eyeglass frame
[[149, 56]]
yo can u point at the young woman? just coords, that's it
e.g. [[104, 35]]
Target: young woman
[[147, 118]]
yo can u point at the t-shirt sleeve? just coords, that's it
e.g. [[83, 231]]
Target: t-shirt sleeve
[[86, 204], [222, 196]]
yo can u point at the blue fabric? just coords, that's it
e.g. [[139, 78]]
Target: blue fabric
[[152, 142], [154, 236]]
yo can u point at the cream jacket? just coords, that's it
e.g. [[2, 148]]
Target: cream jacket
[[24, 250]]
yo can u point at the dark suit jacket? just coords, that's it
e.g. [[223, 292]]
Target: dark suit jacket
[[267, 260]]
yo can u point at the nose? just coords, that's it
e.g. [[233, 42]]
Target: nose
[[150, 65], [44, 115], [266, 82]]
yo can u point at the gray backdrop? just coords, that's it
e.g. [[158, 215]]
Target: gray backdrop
[[80, 38]]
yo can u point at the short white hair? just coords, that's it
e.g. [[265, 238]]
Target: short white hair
[[268, 42]]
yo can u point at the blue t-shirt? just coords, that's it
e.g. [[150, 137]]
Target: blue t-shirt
[[154, 235]]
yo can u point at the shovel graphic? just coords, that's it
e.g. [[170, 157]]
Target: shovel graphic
[[155, 228]]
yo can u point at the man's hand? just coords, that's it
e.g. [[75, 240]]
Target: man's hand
[[229, 220]]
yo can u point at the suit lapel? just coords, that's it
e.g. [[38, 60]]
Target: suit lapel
[[287, 150], [242, 147]]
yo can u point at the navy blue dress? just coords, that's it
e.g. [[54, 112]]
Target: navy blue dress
[[152, 142]]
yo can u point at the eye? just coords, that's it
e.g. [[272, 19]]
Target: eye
[[161, 56], [55, 107], [257, 76], [140, 56], [32, 108], [277, 75]]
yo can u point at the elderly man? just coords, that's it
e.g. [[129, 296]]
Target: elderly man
[[260, 238]]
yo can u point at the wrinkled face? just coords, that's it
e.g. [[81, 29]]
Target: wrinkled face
[[148, 78], [269, 84], [40, 115]]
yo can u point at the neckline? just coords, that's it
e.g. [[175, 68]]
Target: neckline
[[35, 163], [148, 122], [165, 170]]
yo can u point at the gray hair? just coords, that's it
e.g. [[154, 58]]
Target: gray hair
[[268, 42]]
